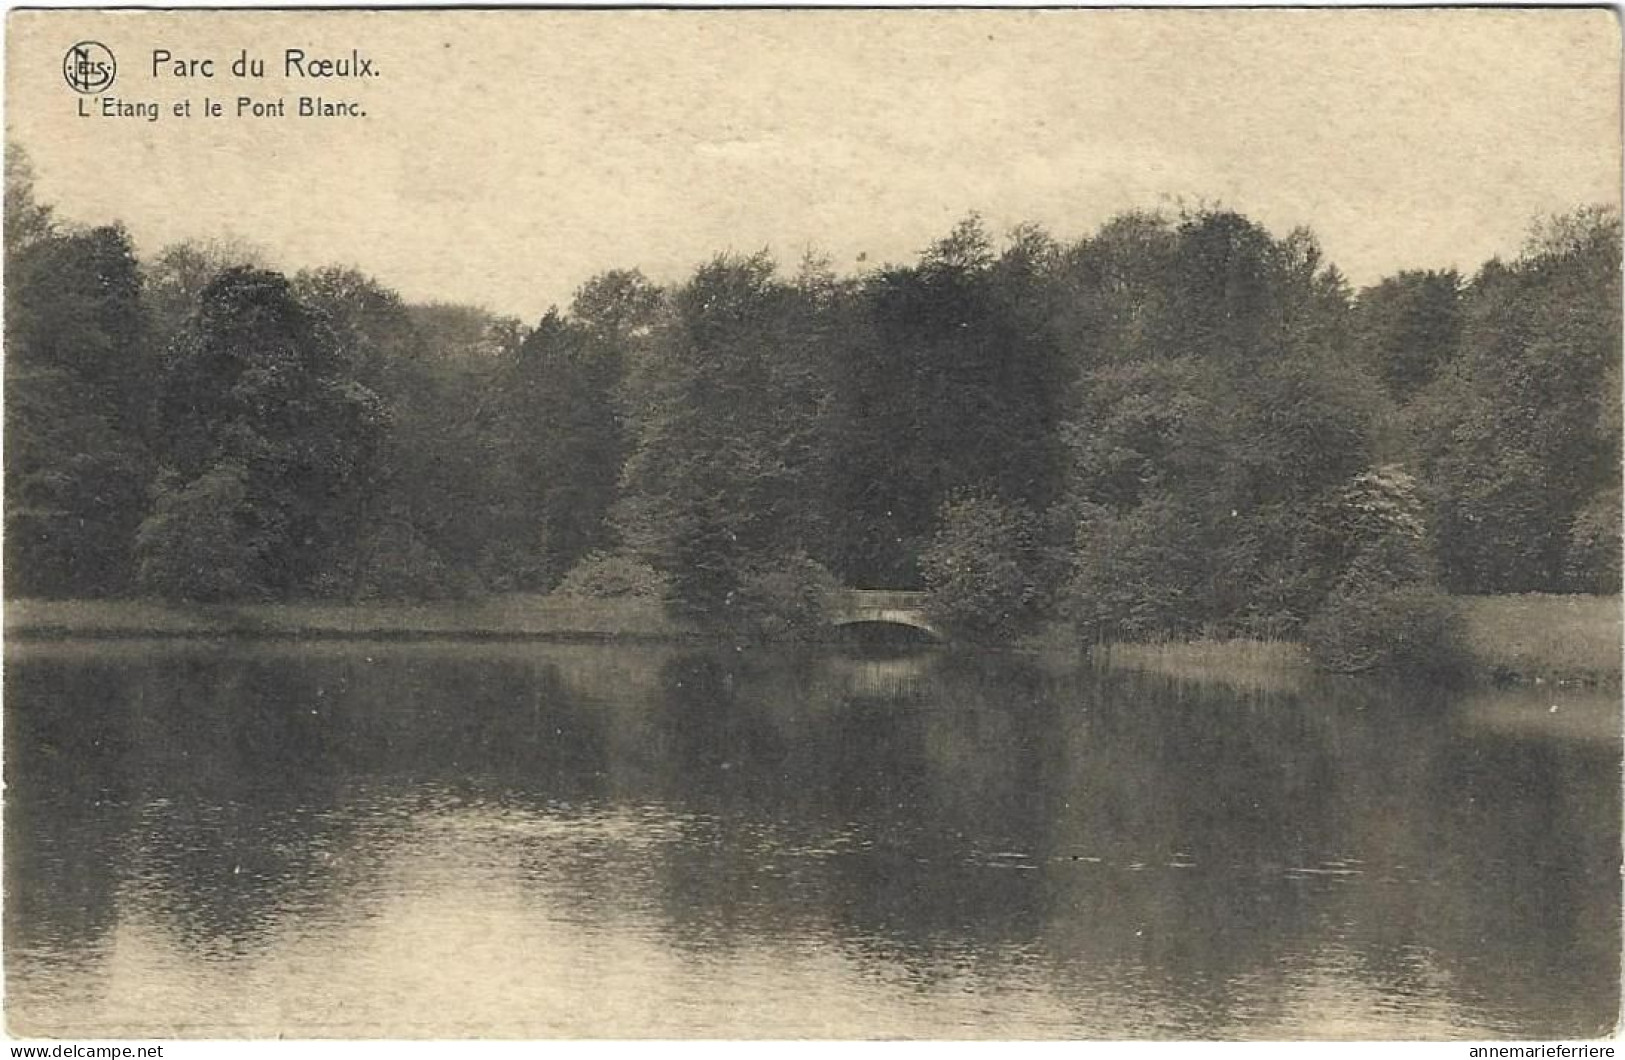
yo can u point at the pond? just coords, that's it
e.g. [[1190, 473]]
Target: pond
[[456, 839]]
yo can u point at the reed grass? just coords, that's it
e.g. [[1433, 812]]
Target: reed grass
[[1262, 665]]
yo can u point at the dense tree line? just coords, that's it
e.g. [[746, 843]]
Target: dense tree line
[[1175, 425]]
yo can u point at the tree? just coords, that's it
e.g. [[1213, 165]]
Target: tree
[[562, 444], [373, 333], [1382, 527], [1408, 328], [27, 220], [612, 575], [208, 540], [1135, 574], [782, 598], [254, 395], [955, 381], [174, 280], [377, 545], [620, 310], [1178, 424], [76, 379], [1522, 431], [444, 439], [1413, 631], [75, 491], [1385, 610], [75, 305], [1215, 405], [1115, 289], [724, 470], [984, 567]]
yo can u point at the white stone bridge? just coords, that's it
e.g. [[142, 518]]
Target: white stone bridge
[[888, 607]]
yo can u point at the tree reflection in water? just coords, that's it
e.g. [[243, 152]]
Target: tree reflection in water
[[926, 844]]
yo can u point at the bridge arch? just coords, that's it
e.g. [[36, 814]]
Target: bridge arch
[[883, 607]]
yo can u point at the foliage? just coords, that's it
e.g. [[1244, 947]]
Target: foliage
[[1522, 433], [506, 565], [1383, 523], [1409, 328], [614, 575], [27, 220], [1592, 564], [75, 488], [1412, 630], [174, 279], [1135, 574], [397, 562], [561, 447], [784, 598], [948, 375], [984, 568], [438, 467], [725, 472], [1217, 415], [77, 376], [255, 392], [206, 540], [1175, 426]]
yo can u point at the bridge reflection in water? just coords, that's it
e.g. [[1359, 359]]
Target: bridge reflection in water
[[891, 678], [884, 629]]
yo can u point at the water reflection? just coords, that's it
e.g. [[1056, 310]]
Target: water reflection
[[521, 840]]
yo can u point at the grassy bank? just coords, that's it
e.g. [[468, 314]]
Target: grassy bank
[[1546, 638], [1529, 639], [512, 616]]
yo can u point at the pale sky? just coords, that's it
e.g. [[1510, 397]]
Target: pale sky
[[508, 156]]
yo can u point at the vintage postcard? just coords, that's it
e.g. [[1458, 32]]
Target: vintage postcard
[[812, 524]]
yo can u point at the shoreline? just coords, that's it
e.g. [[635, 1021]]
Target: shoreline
[[52, 633], [1533, 639], [1515, 641], [514, 617]]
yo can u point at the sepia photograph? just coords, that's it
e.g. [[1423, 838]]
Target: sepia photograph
[[790, 524]]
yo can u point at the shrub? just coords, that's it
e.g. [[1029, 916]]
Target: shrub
[[783, 598], [1592, 564], [1384, 521], [613, 575], [1412, 631], [981, 568], [508, 566]]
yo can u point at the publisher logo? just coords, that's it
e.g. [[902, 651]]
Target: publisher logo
[[89, 67]]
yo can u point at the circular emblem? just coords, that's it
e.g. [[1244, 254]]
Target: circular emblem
[[89, 67]]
